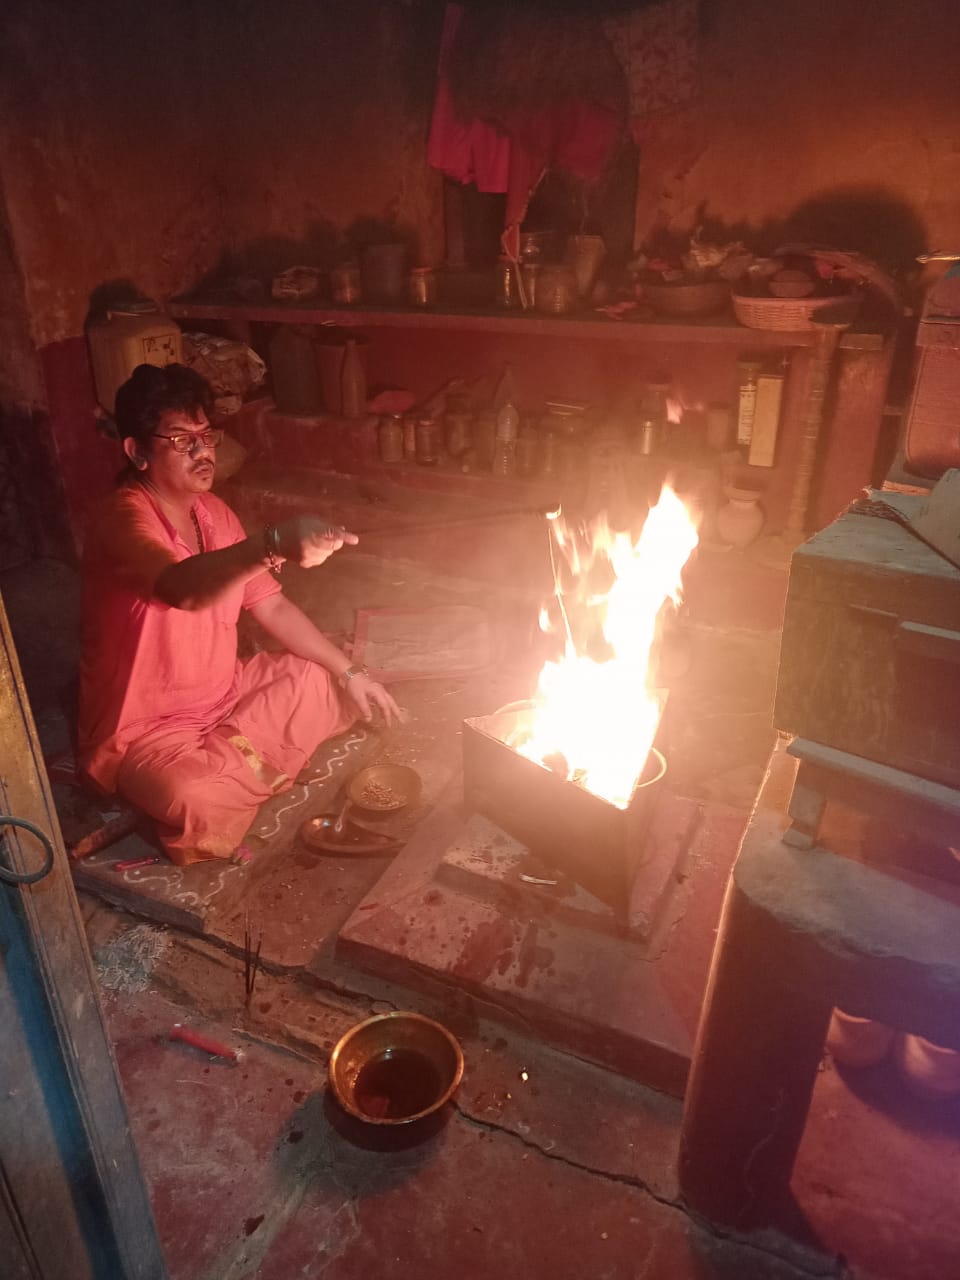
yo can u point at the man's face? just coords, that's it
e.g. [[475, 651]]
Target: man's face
[[175, 473]]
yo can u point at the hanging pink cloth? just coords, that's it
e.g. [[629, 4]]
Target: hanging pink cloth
[[576, 137], [467, 151]]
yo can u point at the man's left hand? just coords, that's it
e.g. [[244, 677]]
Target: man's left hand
[[369, 696]]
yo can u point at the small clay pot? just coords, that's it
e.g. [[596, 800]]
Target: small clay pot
[[741, 518], [928, 1070], [858, 1042]]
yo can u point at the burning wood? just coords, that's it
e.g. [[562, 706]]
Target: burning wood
[[595, 717]]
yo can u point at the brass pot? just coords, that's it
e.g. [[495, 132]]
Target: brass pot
[[395, 1069]]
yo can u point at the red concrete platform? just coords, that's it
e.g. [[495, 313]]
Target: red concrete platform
[[625, 1003]]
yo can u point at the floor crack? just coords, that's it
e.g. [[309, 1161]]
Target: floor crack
[[677, 1204]]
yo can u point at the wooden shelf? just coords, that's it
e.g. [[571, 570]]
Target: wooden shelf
[[716, 330]]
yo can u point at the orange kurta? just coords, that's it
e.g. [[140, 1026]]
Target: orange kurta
[[168, 715]]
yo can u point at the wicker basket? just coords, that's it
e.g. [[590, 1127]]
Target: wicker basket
[[787, 314]]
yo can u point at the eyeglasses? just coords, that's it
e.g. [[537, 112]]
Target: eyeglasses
[[190, 441]]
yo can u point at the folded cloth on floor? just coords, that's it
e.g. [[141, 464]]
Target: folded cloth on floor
[[416, 644]]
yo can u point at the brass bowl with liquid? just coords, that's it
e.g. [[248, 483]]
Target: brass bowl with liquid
[[395, 1069]]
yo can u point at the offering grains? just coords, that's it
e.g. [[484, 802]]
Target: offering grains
[[377, 796]]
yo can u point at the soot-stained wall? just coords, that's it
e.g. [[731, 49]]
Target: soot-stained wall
[[154, 143]]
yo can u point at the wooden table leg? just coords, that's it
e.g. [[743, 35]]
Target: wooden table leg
[[807, 804], [754, 1067]]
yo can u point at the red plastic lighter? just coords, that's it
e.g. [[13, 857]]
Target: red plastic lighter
[[199, 1041]]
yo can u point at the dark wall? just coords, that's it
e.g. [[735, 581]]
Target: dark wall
[[835, 118], [154, 143], [143, 142]]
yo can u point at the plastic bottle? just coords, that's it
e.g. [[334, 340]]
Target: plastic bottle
[[353, 382], [504, 457], [505, 407]]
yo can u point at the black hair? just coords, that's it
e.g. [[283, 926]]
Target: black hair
[[150, 392]]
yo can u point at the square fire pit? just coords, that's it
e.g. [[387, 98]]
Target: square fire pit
[[595, 843]]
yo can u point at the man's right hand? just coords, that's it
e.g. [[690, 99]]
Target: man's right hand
[[309, 541]]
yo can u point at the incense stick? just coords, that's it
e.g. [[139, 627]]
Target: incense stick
[[251, 959]]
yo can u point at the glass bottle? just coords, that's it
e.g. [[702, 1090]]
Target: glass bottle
[[391, 438], [428, 441], [409, 437], [345, 283], [422, 287], [507, 294]]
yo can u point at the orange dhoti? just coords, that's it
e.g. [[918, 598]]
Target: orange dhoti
[[204, 788]]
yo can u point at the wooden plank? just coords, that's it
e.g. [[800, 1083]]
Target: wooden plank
[[55, 1043], [711, 332], [938, 520], [866, 779]]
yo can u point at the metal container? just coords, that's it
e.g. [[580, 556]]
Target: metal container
[[596, 844], [383, 268], [422, 287], [294, 375]]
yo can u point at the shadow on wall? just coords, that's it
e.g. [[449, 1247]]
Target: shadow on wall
[[323, 246], [368, 231], [110, 294], [869, 220]]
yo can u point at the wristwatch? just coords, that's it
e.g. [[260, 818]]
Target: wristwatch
[[347, 676]]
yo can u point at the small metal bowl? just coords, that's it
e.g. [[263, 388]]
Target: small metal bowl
[[397, 784], [395, 1069]]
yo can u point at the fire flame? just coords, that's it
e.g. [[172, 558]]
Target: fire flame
[[600, 715]]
